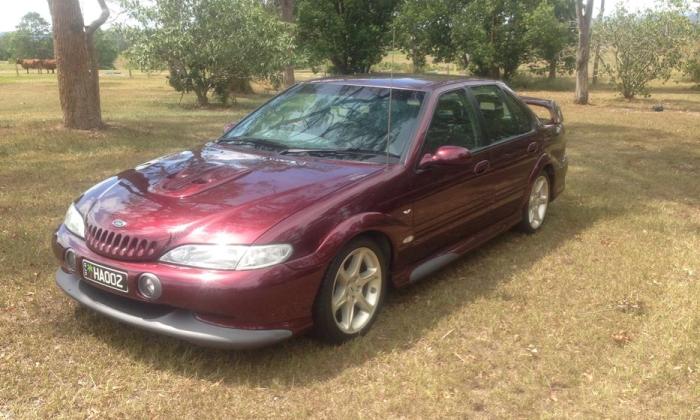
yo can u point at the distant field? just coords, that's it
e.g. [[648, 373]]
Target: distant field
[[597, 315]]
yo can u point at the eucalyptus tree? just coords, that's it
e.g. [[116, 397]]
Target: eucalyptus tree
[[584, 17], [32, 38], [77, 63]]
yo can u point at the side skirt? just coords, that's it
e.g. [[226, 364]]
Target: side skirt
[[448, 255]]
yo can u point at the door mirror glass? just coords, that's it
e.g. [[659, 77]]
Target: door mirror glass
[[446, 156]]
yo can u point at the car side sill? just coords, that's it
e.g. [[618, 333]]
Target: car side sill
[[442, 259], [173, 322], [432, 265]]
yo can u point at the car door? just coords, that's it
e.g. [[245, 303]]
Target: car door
[[447, 199], [514, 145]]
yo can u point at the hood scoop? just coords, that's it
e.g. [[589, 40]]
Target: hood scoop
[[196, 179]]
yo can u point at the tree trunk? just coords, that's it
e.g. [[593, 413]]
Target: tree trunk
[[78, 79], [583, 18], [94, 69], [287, 12], [596, 57], [418, 60], [202, 97], [240, 85], [552, 70]]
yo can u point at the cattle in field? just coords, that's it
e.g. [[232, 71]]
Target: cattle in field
[[31, 63], [49, 64], [37, 64]]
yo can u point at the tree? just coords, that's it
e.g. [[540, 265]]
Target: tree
[[107, 48], [208, 45], [78, 75], [487, 37], [549, 33], [5, 47], [490, 36], [287, 14], [351, 34], [32, 39], [596, 57], [692, 67], [423, 28], [584, 15], [644, 47]]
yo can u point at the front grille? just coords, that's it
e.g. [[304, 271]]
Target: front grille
[[122, 246]]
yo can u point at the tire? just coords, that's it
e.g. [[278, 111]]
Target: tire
[[352, 292], [535, 209]]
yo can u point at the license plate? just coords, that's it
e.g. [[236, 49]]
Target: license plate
[[105, 276]]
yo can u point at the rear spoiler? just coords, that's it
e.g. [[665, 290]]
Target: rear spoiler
[[554, 111]]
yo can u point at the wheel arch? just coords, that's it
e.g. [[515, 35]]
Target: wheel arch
[[548, 169]]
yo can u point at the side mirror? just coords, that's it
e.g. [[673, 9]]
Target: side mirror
[[229, 126], [446, 156]]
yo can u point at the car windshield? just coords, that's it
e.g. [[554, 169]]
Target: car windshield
[[340, 121]]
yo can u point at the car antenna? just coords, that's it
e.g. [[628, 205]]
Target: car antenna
[[391, 91]]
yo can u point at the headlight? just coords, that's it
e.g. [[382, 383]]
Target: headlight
[[74, 221], [228, 257]]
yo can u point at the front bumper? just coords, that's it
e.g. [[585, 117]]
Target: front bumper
[[279, 297], [165, 320]]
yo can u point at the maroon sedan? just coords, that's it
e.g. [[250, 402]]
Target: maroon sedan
[[305, 213]]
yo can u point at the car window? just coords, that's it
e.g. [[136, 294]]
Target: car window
[[454, 123], [502, 114], [520, 111]]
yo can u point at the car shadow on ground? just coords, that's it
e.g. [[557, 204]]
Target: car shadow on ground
[[405, 319], [413, 312]]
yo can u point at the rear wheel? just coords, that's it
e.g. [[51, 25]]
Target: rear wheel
[[352, 292], [535, 210]]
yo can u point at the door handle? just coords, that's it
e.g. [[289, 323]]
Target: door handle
[[532, 147], [481, 167]]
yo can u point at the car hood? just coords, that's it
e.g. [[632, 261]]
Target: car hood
[[212, 195]]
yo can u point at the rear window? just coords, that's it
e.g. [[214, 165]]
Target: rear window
[[504, 116]]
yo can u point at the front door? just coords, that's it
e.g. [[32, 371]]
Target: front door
[[448, 199]]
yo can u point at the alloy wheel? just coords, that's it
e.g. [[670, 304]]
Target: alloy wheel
[[357, 290], [539, 200]]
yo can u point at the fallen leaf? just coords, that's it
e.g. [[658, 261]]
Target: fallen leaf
[[621, 337]]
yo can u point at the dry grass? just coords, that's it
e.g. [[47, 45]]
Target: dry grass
[[598, 315]]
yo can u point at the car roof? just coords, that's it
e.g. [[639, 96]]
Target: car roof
[[424, 82]]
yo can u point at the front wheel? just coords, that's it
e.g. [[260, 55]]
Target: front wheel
[[352, 292], [536, 208]]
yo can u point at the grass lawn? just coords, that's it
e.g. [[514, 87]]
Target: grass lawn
[[597, 315]]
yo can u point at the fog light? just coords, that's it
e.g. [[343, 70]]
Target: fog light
[[71, 260], [149, 286]]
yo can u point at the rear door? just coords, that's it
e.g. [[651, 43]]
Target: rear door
[[513, 145]]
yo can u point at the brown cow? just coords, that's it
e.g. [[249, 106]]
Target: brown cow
[[49, 64], [32, 63]]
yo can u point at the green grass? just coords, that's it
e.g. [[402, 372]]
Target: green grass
[[597, 315]]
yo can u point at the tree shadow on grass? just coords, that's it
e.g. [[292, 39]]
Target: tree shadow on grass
[[601, 188]]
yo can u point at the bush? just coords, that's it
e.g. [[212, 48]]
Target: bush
[[692, 69], [644, 47]]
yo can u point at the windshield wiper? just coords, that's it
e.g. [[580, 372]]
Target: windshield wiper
[[252, 141], [338, 152]]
